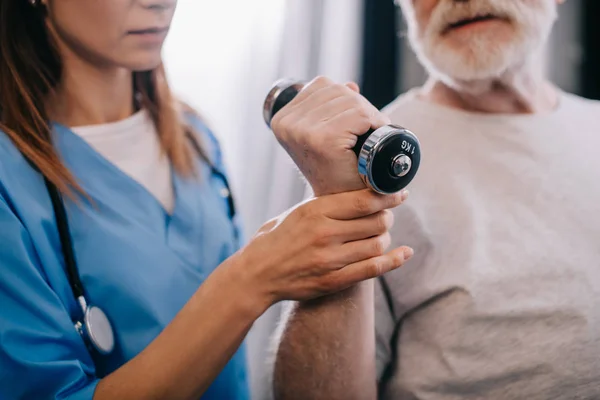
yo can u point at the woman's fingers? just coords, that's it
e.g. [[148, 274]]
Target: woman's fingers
[[358, 229], [359, 203], [372, 268], [360, 250]]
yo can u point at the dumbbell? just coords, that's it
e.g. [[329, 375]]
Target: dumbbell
[[388, 157]]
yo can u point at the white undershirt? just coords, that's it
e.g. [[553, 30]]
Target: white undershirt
[[133, 146]]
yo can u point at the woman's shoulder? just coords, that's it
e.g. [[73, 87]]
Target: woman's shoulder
[[20, 183], [8, 150], [11, 159]]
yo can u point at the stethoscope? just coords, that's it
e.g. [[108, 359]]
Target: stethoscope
[[94, 326]]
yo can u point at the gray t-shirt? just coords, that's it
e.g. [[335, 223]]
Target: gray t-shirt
[[502, 297]]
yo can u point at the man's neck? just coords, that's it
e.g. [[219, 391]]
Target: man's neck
[[91, 94], [525, 92]]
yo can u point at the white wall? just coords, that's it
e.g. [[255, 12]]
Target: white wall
[[208, 55], [222, 57]]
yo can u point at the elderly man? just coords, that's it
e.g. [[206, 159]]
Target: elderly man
[[501, 299]]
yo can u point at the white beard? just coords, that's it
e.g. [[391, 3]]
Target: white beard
[[481, 60]]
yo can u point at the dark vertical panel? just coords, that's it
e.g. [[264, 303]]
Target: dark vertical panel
[[590, 73], [380, 63]]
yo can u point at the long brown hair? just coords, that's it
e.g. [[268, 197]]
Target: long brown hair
[[31, 67]]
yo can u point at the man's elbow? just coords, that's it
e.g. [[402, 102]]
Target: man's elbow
[[297, 378], [290, 380], [282, 386], [283, 375]]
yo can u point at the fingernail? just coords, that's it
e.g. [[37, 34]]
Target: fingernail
[[408, 253], [405, 194]]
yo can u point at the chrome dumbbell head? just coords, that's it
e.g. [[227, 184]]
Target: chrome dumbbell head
[[388, 157]]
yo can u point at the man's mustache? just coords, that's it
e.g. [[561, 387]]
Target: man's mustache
[[449, 15]]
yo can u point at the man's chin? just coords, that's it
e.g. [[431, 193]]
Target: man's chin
[[469, 72], [468, 65]]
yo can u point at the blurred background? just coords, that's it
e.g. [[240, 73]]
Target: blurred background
[[223, 56]]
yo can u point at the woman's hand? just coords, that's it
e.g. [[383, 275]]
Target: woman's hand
[[319, 129], [322, 246]]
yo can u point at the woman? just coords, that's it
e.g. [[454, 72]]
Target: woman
[[97, 157]]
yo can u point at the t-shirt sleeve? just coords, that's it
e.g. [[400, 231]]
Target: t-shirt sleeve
[[385, 324], [41, 354], [396, 292]]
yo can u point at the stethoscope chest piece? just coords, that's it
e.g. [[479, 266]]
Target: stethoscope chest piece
[[96, 328]]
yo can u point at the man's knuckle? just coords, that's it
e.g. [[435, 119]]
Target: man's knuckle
[[322, 81], [358, 111], [277, 124], [362, 119], [286, 127], [335, 89], [346, 103]]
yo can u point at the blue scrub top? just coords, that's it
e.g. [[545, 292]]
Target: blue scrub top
[[137, 262]]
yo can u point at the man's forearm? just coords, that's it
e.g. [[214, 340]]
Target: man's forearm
[[327, 349]]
